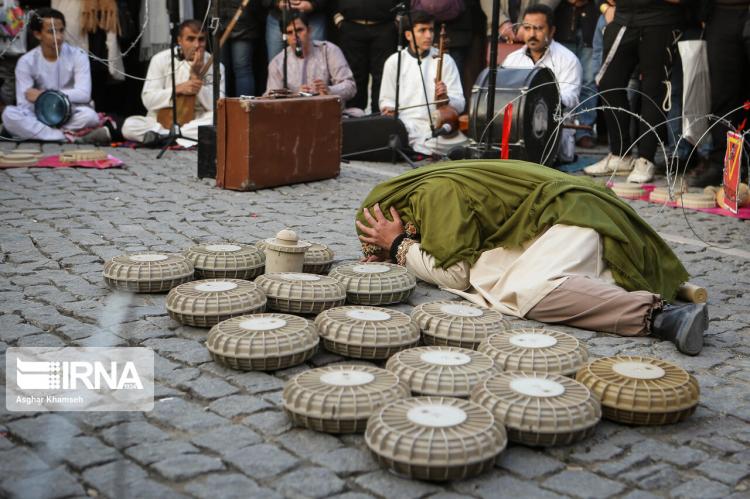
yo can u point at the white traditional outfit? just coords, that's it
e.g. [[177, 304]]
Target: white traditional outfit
[[70, 74], [568, 72], [416, 119], [325, 62], [157, 94]]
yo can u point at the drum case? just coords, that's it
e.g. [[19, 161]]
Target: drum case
[[271, 142]]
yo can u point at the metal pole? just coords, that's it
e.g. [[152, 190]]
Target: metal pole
[[217, 59], [492, 81]]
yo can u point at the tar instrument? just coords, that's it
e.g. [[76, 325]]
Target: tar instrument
[[186, 103], [53, 108], [444, 113]]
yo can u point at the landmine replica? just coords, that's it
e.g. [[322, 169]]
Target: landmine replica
[[374, 283], [435, 438], [19, 158], [366, 332], [262, 342], [285, 252], [226, 260], [457, 324], [340, 398], [627, 190], [441, 371], [318, 257], [535, 350], [539, 409], [641, 390], [207, 302], [147, 272], [300, 293], [82, 155]]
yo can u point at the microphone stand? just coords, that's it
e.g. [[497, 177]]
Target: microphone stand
[[285, 38], [400, 10], [174, 131]]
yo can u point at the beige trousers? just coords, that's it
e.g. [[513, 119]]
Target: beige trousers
[[598, 306]]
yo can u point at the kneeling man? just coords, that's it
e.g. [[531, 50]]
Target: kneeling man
[[53, 65], [192, 78]]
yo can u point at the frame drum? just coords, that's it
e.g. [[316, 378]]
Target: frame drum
[[534, 135], [53, 108]]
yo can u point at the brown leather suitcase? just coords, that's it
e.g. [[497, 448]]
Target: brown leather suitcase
[[271, 142]]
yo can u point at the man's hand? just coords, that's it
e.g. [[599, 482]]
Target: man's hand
[[320, 87], [381, 232], [308, 89], [190, 87], [388, 111], [441, 90], [301, 5], [32, 94], [507, 33], [609, 14], [196, 65]]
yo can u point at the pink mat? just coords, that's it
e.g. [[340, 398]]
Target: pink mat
[[54, 162], [744, 213]]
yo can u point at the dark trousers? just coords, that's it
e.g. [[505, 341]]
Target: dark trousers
[[650, 49], [729, 66], [366, 48]]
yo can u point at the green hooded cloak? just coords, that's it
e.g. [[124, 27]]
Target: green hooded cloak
[[463, 208]]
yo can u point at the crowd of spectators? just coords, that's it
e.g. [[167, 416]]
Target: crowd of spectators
[[630, 68]]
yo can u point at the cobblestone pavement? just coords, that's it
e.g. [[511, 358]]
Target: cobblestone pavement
[[219, 433]]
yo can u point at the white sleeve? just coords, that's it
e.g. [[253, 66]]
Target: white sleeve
[[24, 79], [388, 84], [156, 93], [81, 91], [452, 80], [569, 75], [422, 265]]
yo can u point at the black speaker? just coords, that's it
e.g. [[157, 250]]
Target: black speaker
[[207, 151], [372, 138]]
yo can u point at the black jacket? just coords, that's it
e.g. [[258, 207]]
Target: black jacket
[[251, 22], [568, 18], [272, 6], [642, 13], [368, 10]]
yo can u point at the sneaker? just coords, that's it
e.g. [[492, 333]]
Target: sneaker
[[98, 136], [643, 171], [610, 164]]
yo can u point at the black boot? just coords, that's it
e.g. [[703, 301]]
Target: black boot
[[683, 325]]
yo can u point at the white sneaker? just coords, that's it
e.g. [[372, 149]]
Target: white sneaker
[[610, 164], [643, 171]]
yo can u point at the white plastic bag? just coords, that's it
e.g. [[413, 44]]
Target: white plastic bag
[[696, 90]]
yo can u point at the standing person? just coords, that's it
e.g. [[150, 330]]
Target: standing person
[[242, 45], [650, 31], [322, 69], [190, 61], [727, 37], [53, 65], [418, 89], [367, 35], [529, 241], [574, 27], [542, 51], [313, 9]]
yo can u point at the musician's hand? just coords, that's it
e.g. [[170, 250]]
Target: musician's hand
[[32, 94], [381, 232], [308, 89], [388, 111], [196, 66], [441, 90], [321, 87], [190, 87], [506, 31]]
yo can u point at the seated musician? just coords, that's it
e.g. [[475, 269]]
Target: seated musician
[[193, 78], [320, 69], [530, 241], [53, 65], [419, 118], [537, 29]]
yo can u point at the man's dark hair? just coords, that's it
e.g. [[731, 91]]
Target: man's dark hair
[[418, 17], [541, 9], [193, 24], [37, 18], [291, 16]]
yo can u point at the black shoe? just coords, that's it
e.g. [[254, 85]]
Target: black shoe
[[705, 173], [153, 139], [99, 136], [683, 325]]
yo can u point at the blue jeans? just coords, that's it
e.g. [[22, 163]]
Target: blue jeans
[[585, 112], [238, 58], [274, 42]]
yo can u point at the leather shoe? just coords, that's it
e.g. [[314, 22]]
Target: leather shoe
[[683, 325], [586, 142], [708, 175]]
